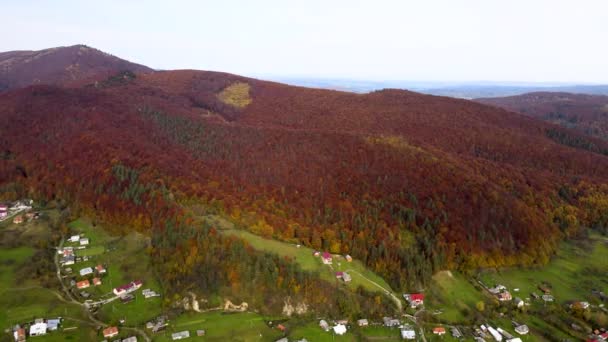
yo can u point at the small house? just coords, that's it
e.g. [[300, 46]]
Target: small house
[[84, 241], [340, 329], [316, 253], [74, 238], [326, 257], [519, 302], [346, 277], [110, 332], [38, 329], [547, 298], [18, 219], [19, 335], [416, 299], [324, 325], [349, 258], [86, 271], [68, 260], [391, 322], [200, 332], [439, 331], [100, 269], [522, 329], [339, 275], [180, 335], [53, 324], [130, 339], [96, 281], [281, 327], [408, 333], [363, 322], [504, 296], [545, 289], [83, 284]]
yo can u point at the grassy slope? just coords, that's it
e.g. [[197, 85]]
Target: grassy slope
[[572, 274], [361, 276], [454, 295]]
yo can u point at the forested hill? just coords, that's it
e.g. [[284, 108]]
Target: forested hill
[[587, 114], [61, 65], [407, 183]]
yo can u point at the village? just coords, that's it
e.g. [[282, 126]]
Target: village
[[118, 307]]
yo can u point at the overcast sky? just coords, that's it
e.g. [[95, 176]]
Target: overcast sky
[[437, 40]]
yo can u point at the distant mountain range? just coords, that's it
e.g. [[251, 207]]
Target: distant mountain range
[[405, 182], [468, 90], [61, 66]]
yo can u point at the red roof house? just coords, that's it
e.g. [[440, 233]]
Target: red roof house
[[96, 281], [416, 299], [326, 258], [110, 332], [83, 284], [339, 275], [439, 331]]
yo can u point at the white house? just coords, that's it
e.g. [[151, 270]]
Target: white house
[[74, 238], [522, 329], [180, 335], [86, 271], [495, 334], [340, 329], [408, 334], [38, 329], [84, 241]]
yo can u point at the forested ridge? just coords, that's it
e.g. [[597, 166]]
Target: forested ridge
[[407, 183]]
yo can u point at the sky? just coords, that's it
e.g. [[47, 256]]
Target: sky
[[430, 40]]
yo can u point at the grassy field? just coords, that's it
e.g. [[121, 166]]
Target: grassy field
[[454, 296], [577, 268], [361, 276], [218, 326], [312, 332], [10, 259]]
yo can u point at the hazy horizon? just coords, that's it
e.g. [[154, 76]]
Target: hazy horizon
[[433, 41]]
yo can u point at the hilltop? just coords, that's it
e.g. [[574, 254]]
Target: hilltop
[[587, 114], [60, 65]]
